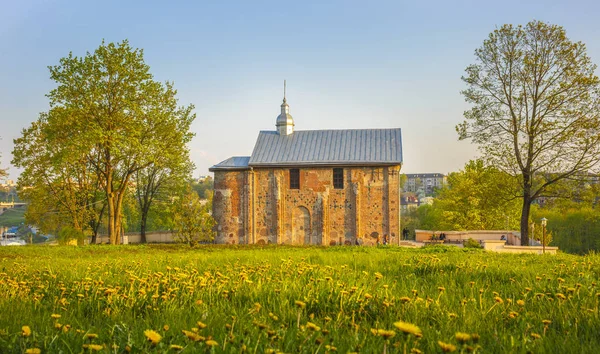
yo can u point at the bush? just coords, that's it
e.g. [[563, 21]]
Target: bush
[[68, 234], [470, 243]]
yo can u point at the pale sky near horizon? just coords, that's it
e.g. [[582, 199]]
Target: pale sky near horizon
[[348, 64]]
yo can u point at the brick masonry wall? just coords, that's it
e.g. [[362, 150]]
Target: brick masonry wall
[[366, 208]]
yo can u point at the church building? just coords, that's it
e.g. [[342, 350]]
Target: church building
[[311, 187]]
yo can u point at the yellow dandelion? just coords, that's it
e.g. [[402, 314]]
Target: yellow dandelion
[[475, 337], [165, 328], [25, 331], [546, 322], [446, 347], [383, 333], [313, 327], [535, 335], [405, 299], [33, 351], [211, 343], [152, 336], [452, 315], [193, 336], [300, 304], [561, 296], [368, 296], [415, 351], [498, 299], [378, 275], [462, 337], [55, 316], [201, 325], [407, 328], [176, 347], [513, 314], [441, 289], [93, 347], [520, 302], [90, 336]]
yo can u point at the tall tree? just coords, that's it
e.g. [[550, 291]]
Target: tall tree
[[57, 184], [108, 109], [535, 107], [478, 197], [193, 220], [161, 179]]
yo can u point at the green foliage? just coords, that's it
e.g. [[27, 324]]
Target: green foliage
[[108, 121], [69, 234], [246, 297], [12, 217], [193, 220], [575, 230], [471, 243], [475, 198], [531, 91], [203, 187]]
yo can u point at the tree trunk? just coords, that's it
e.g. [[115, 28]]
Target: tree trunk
[[143, 226], [525, 219]]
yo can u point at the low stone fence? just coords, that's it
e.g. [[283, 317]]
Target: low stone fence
[[500, 246], [136, 237], [512, 237]]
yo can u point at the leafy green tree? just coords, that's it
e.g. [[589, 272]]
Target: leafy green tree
[[534, 115], [58, 185], [203, 187], [193, 220], [478, 197], [108, 114], [164, 177]]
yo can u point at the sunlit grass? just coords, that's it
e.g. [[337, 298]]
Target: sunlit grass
[[223, 299]]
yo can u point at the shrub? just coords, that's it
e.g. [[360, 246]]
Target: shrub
[[471, 243]]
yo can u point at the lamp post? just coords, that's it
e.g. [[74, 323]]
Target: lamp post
[[544, 221]]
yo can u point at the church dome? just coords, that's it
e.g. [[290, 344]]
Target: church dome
[[285, 122]]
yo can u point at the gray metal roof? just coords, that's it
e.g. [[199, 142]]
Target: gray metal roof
[[232, 163], [329, 147]]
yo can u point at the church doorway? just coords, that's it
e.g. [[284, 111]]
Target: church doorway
[[301, 227]]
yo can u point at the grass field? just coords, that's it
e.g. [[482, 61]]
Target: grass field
[[116, 299], [12, 217]]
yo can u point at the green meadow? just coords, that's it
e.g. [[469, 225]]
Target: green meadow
[[170, 298]]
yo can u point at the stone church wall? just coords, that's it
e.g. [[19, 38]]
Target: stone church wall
[[259, 207]]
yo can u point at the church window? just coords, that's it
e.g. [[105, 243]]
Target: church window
[[338, 178], [294, 178]]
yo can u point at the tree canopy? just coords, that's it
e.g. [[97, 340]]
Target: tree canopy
[[108, 120], [535, 108]]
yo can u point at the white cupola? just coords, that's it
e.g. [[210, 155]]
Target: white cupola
[[285, 122]]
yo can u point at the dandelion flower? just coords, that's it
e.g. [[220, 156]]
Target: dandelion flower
[[55, 316], [90, 336], [176, 347], [192, 336], [446, 347], [93, 347], [383, 333], [152, 336], [407, 328], [201, 325], [313, 327], [520, 302], [546, 322], [561, 296], [535, 335], [498, 299], [33, 351], [462, 337], [405, 299], [211, 343], [26, 331], [441, 289], [300, 304]]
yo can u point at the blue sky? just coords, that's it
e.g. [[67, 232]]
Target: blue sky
[[348, 64]]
